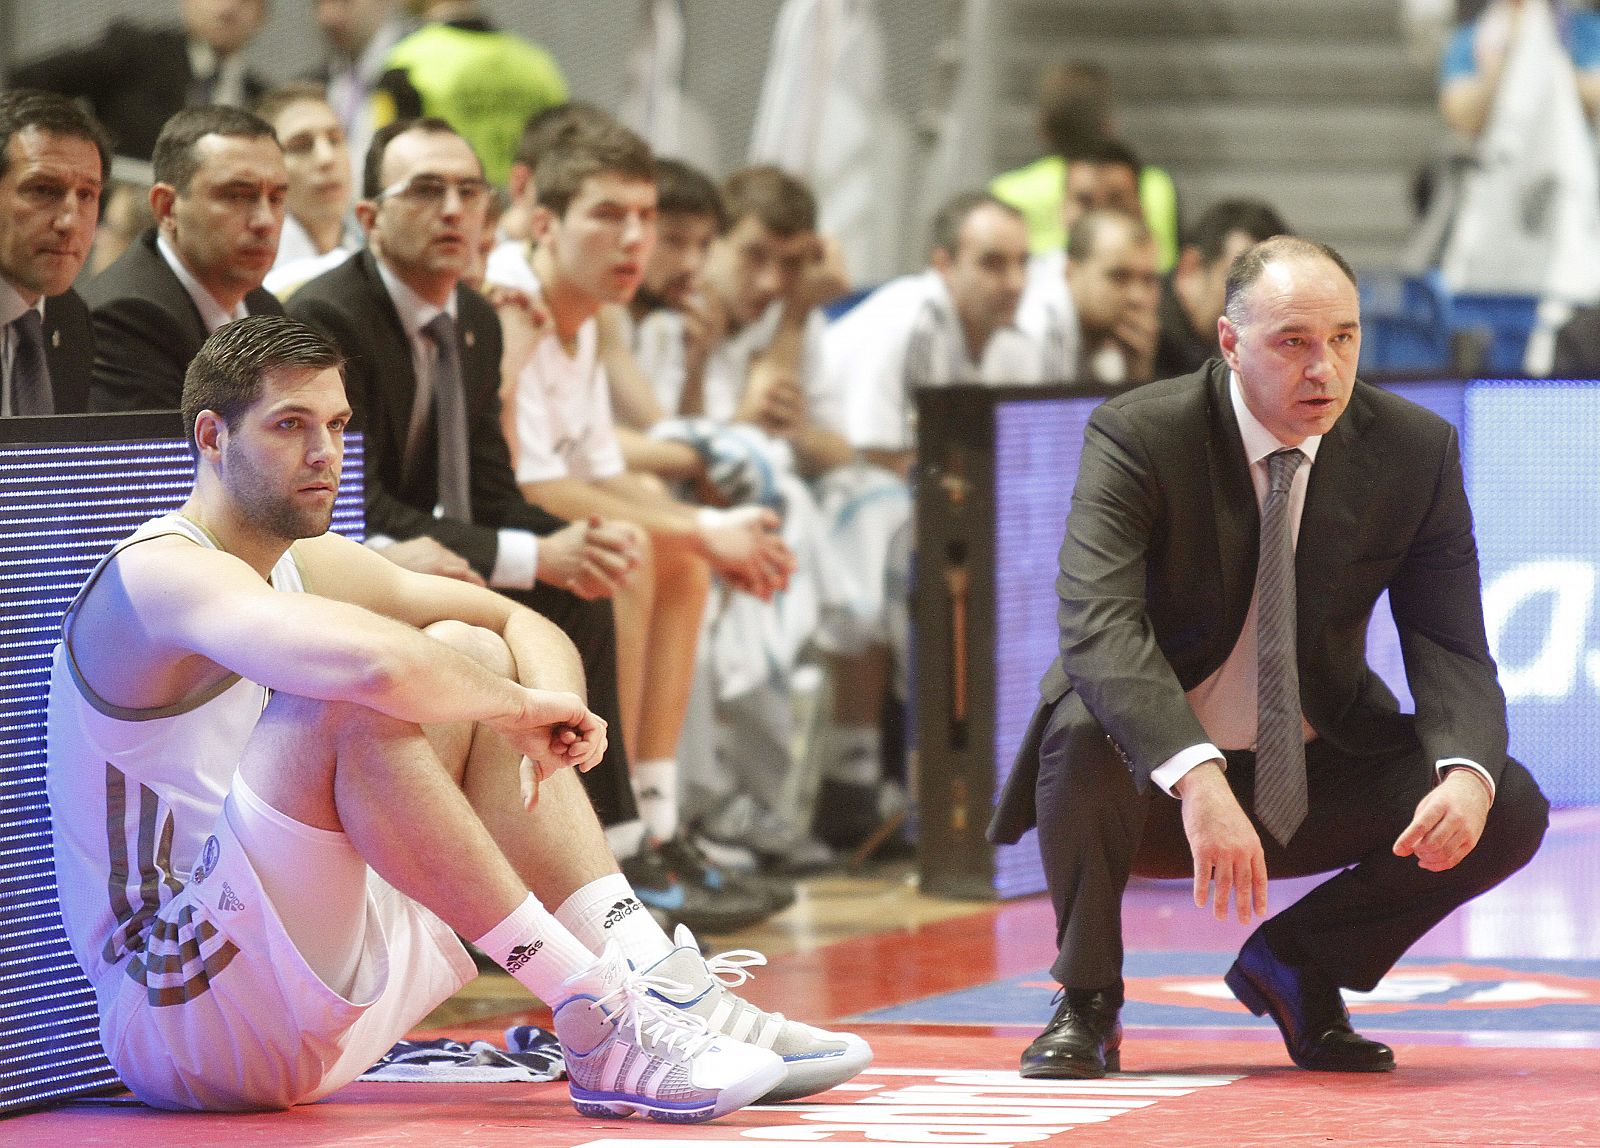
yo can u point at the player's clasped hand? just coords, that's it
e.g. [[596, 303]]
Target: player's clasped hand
[[556, 731]]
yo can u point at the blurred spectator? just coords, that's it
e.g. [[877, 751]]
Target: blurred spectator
[[218, 202], [318, 230], [1469, 73], [1577, 351], [124, 213], [1103, 175], [136, 77], [1099, 323], [54, 160], [598, 192], [486, 83], [538, 133], [1075, 104], [360, 36], [1192, 295], [953, 323]]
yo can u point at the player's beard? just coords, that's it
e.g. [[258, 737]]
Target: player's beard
[[269, 512]]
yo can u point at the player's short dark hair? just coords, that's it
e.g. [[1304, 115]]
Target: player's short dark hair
[[175, 159], [229, 373], [297, 92], [685, 190], [782, 202], [945, 234], [545, 126], [1251, 217], [24, 108], [1086, 234], [1104, 149], [1250, 266], [579, 153]]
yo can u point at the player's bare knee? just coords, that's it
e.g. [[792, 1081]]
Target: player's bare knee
[[483, 646]]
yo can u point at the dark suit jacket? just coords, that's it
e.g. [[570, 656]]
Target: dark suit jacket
[[1158, 569], [351, 306], [68, 351], [146, 329], [134, 78]]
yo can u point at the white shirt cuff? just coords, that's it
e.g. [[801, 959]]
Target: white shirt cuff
[[377, 541], [1171, 771], [1445, 764], [516, 560]]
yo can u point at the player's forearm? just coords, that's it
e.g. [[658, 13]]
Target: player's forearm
[[670, 460], [576, 499], [819, 450]]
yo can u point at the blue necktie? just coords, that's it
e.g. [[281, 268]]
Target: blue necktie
[[30, 374]]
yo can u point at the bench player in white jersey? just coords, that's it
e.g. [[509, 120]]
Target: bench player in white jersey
[[273, 810]]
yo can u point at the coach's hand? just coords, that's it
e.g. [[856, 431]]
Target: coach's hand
[[1227, 851], [1448, 822]]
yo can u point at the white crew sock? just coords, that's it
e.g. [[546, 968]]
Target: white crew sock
[[655, 786], [537, 949], [625, 838], [606, 910], [855, 755]]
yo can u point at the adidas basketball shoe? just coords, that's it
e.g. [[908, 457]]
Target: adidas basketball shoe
[[627, 1051], [813, 1060]]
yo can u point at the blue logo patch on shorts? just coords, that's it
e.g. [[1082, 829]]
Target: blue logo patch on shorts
[[209, 855]]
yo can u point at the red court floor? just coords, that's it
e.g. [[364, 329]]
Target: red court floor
[[1495, 1018]]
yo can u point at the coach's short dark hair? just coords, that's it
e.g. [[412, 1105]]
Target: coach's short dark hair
[[175, 160], [580, 153], [945, 234], [24, 108], [229, 373], [372, 184], [1250, 266]]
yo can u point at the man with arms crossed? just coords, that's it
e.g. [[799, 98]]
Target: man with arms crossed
[[378, 758], [1212, 712]]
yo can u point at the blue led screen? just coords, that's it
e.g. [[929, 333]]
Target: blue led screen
[[61, 508]]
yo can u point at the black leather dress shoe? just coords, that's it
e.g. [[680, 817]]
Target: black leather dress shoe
[[1083, 1040], [1308, 1010]]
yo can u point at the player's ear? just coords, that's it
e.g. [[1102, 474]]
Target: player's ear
[[208, 433]]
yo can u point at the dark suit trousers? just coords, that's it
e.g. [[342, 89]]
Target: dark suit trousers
[[592, 629], [1095, 830]]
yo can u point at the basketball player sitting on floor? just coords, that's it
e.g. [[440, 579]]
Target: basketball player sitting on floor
[[284, 772]]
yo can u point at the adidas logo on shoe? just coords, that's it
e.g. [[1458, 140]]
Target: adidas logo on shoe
[[229, 900], [621, 909], [521, 955]]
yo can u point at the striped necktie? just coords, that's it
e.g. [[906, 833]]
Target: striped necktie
[[1280, 740]]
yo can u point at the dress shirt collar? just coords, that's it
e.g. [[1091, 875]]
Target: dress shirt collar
[[1259, 442], [415, 311], [212, 313], [12, 305]]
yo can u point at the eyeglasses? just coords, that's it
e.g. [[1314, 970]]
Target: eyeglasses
[[432, 190]]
